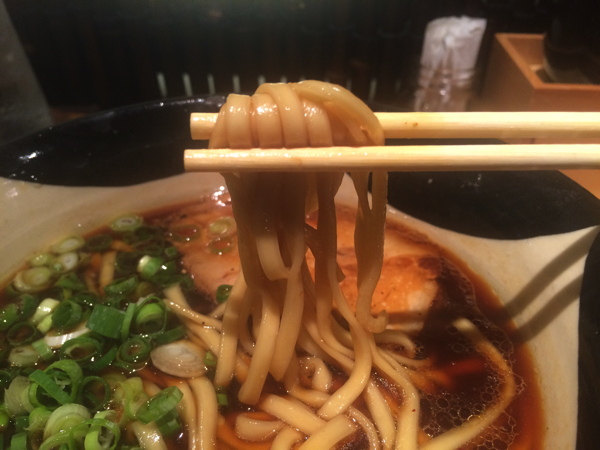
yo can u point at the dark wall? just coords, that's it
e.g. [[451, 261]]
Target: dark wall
[[114, 52]]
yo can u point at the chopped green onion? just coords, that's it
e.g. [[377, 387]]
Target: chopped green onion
[[130, 395], [24, 356], [45, 382], [82, 350], [169, 424], [94, 393], [148, 266], [85, 298], [185, 232], [127, 262], [98, 243], [21, 333], [4, 421], [144, 233], [221, 392], [66, 315], [64, 418], [19, 441], [68, 245], [223, 292], [172, 335], [221, 245], [8, 316], [35, 279], [135, 350], [103, 361], [71, 281], [65, 262], [101, 433], [44, 309], [45, 325], [27, 304], [209, 359], [38, 418], [59, 381], [10, 291], [16, 397], [122, 286], [151, 248], [106, 321], [171, 252], [117, 301], [126, 325], [144, 289], [126, 223], [6, 377], [21, 423], [150, 317], [40, 259], [159, 405], [224, 225], [43, 350]]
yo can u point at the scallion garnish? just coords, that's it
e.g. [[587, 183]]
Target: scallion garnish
[[104, 361], [35, 279], [68, 244], [209, 359], [19, 441], [221, 395], [85, 299], [94, 393], [223, 292], [49, 385], [224, 225], [66, 315], [43, 350], [44, 309], [82, 350], [151, 248], [122, 286], [98, 243], [171, 335], [40, 259], [126, 223], [171, 252], [8, 316], [144, 289], [127, 262], [149, 265], [169, 424], [126, 325], [106, 321], [159, 405], [71, 281], [21, 333], [135, 350], [23, 356], [150, 317]]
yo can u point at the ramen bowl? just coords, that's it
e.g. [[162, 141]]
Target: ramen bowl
[[532, 236]]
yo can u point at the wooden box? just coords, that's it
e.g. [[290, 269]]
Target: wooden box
[[513, 80]]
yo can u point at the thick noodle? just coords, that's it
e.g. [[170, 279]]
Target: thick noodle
[[290, 310]]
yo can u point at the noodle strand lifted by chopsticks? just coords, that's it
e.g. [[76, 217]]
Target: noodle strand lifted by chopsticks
[[276, 308]]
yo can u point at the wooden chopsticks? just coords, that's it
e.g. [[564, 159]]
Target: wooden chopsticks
[[500, 125], [424, 157]]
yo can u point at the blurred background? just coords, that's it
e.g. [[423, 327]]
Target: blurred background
[[96, 55], [89, 56]]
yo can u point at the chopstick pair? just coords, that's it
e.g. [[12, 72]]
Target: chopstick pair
[[500, 125]]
